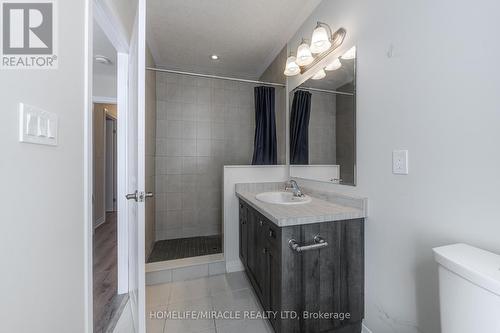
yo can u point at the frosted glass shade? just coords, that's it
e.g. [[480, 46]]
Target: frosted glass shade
[[304, 55], [320, 41], [291, 67], [350, 54], [334, 65], [321, 74]]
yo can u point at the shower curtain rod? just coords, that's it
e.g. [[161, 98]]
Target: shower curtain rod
[[325, 90], [214, 77]]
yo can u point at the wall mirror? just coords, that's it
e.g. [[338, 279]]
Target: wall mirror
[[323, 123]]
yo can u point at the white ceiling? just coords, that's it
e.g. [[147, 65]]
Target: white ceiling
[[247, 35], [102, 46]]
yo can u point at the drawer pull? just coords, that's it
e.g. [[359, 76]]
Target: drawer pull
[[319, 243]]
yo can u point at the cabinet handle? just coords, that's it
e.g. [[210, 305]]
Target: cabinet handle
[[261, 223], [319, 243], [272, 234], [264, 250]]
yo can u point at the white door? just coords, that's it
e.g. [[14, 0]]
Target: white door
[[136, 170]]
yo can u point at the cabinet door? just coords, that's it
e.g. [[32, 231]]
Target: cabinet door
[[261, 257], [252, 248], [244, 233], [333, 277], [273, 285]]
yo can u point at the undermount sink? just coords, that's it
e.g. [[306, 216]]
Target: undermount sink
[[282, 198]]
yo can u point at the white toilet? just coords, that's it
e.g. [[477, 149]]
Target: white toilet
[[469, 289]]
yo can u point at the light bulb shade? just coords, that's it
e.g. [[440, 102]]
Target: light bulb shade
[[350, 54], [304, 55], [320, 41], [291, 67], [319, 75], [334, 65]]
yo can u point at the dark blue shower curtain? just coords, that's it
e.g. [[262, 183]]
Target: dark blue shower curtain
[[299, 127], [265, 146]]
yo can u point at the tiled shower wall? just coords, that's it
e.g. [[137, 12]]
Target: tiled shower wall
[[322, 136], [202, 125]]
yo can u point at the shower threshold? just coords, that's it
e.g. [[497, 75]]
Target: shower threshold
[[180, 248]]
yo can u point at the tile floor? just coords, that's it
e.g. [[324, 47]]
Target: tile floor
[[227, 292], [172, 249]]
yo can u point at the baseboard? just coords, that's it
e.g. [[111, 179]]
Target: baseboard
[[234, 266], [366, 329]]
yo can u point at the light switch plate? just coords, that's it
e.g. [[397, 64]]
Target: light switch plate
[[400, 162], [37, 126]]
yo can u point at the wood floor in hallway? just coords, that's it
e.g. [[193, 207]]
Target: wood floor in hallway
[[107, 303]]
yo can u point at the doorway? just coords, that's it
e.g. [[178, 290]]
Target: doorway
[[107, 303]]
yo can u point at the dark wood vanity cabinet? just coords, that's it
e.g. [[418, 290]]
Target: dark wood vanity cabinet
[[327, 284]]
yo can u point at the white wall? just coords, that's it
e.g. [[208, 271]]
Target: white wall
[[232, 176], [104, 86], [438, 97], [42, 201]]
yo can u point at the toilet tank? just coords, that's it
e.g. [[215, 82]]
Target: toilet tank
[[469, 289]]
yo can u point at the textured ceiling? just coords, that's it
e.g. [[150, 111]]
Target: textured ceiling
[[247, 35]]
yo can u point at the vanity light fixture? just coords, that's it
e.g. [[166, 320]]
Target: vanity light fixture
[[334, 65], [304, 55], [350, 54], [321, 74], [323, 43], [291, 67], [321, 38]]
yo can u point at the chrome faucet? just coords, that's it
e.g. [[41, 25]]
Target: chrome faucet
[[292, 185]]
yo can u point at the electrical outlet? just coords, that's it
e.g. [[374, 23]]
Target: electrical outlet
[[400, 162]]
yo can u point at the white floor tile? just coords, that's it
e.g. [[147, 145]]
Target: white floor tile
[[227, 292], [190, 325], [217, 268], [155, 320], [241, 301], [157, 295], [228, 282], [186, 273], [246, 326], [188, 290]]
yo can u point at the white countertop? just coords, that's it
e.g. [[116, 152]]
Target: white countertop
[[316, 211]]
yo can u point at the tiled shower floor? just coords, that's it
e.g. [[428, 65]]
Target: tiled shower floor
[[185, 248]]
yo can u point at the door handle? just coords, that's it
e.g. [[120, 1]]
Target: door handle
[[139, 196], [319, 243], [133, 196]]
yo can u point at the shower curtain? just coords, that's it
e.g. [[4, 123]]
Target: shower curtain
[[299, 127], [265, 145]]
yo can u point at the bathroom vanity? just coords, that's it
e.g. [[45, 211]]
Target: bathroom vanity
[[305, 260]]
